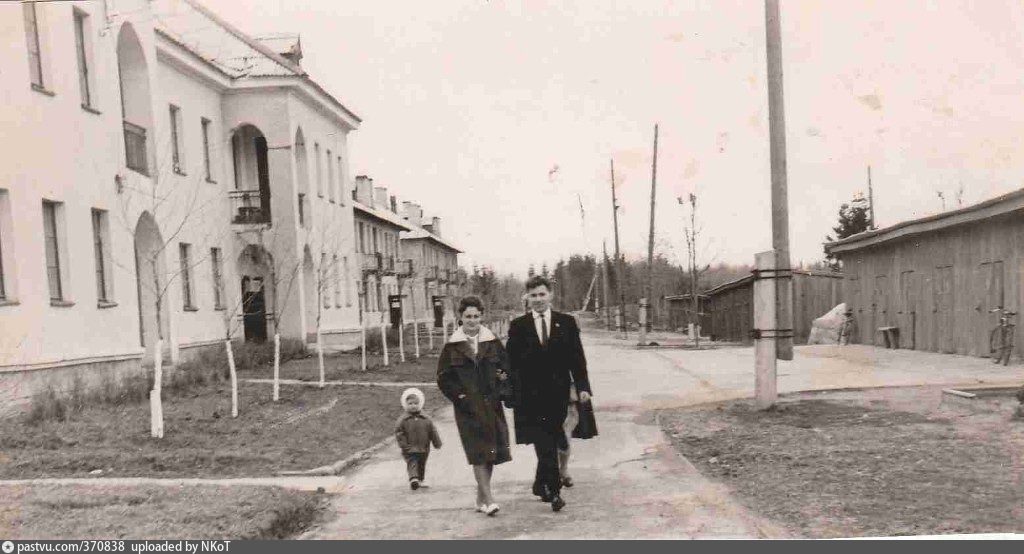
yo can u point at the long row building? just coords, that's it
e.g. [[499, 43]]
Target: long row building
[[172, 180]]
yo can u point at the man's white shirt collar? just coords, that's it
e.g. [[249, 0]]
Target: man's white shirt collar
[[546, 313]]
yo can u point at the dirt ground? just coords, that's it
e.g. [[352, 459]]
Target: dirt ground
[[155, 512], [348, 367], [909, 461], [309, 427]]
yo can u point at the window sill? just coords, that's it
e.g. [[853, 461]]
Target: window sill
[[211, 181], [179, 171], [191, 309], [91, 109], [143, 172], [220, 309], [9, 303], [102, 304], [61, 303], [42, 90]]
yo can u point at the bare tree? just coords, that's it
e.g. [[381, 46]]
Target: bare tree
[[692, 234]]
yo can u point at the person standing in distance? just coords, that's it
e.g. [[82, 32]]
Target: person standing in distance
[[545, 357]]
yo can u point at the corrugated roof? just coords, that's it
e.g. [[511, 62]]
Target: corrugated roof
[[997, 206], [735, 283], [421, 233], [384, 215]]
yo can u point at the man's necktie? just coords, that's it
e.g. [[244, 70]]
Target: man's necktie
[[543, 330]]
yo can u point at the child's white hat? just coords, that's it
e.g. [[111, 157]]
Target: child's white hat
[[413, 392]]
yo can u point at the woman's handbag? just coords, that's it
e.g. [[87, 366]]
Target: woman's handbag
[[505, 391]]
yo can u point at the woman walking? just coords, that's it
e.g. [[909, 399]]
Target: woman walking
[[468, 371]]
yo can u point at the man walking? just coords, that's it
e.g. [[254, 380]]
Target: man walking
[[546, 356]]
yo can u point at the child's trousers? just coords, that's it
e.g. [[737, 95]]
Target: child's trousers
[[416, 464]]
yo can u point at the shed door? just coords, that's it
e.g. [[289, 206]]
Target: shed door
[[944, 318], [907, 320]]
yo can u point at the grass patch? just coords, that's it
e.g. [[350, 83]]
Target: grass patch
[[309, 427], [156, 512], [865, 464]]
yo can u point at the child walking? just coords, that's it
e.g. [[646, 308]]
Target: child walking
[[414, 433]]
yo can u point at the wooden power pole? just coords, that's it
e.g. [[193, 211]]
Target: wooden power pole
[[604, 284], [871, 202], [780, 199], [645, 303], [620, 317]]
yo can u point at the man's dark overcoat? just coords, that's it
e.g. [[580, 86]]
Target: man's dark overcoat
[[541, 375]]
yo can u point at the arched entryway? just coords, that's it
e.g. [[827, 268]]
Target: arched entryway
[[136, 104], [255, 272], [150, 280]]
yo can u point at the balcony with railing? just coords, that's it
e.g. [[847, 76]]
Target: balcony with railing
[[430, 273], [247, 208], [135, 148], [443, 275], [388, 265], [370, 262], [403, 268]]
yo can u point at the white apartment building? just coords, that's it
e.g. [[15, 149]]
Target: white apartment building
[[167, 177], [435, 283]]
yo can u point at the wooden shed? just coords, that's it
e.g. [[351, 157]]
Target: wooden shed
[[680, 312], [731, 305], [936, 278]]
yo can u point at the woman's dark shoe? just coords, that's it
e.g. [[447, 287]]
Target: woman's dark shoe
[[567, 481]]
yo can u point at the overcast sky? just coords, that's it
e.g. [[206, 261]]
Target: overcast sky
[[468, 105]]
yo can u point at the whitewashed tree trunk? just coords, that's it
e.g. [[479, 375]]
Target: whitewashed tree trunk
[[384, 341], [320, 356], [401, 341], [234, 379], [416, 337], [430, 333], [362, 333], [277, 367], [444, 332], [156, 407]]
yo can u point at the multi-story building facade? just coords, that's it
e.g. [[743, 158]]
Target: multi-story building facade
[[435, 277], [173, 181], [382, 267]]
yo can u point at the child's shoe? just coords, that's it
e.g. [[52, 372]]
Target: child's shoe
[[414, 484]]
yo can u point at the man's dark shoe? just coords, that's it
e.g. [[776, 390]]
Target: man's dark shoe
[[557, 503], [567, 482]]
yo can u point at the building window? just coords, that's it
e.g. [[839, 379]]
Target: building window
[[101, 249], [205, 123], [335, 270], [348, 289], [341, 183], [217, 262], [185, 255], [376, 248], [302, 209], [319, 170], [35, 53], [53, 251], [5, 250], [362, 237], [83, 47], [330, 177], [177, 149]]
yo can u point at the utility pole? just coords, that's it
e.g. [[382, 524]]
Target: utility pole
[[604, 284], [871, 202], [645, 303], [620, 316], [780, 198]]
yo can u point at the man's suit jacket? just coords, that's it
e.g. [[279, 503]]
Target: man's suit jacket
[[541, 374]]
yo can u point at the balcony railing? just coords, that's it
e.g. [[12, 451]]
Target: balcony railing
[[371, 263], [443, 275], [247, 207], [135, 148], [430, 273], [388, 265], [403, 268]]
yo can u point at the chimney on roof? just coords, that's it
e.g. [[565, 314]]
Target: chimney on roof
[[364, 190], [286, 45], [394, 204], [434, 226], [380, 198], [411, 212]]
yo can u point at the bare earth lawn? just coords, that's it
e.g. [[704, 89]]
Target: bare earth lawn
[[155, 512], [866, 463], [309, 427]]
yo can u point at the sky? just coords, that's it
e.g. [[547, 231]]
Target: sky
[[502, 117]]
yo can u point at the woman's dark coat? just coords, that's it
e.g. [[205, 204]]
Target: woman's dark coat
[[541, 375], [479, 415]]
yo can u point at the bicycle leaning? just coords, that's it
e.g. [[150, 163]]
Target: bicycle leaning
[[847, 329], [1001, 339]]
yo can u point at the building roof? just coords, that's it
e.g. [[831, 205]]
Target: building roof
[[1000, 205], [747, 279], [234, 53], [386, 216], [685, 296], [418, 233]]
